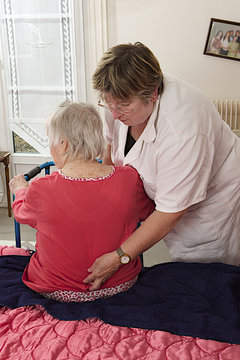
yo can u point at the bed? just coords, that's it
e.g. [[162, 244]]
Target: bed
[[193, 313], [30, 332]]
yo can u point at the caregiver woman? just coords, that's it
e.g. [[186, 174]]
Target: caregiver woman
[[187, 157]]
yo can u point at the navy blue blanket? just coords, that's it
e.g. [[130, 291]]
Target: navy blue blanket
[[191, 299]]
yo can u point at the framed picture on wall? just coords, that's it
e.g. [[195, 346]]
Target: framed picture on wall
[[223, 39]]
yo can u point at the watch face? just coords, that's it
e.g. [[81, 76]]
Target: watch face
[[125, 259]]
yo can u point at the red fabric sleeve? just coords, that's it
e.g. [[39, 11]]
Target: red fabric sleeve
[[25, 206]]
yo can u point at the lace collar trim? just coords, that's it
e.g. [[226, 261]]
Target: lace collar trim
[[87, 179]]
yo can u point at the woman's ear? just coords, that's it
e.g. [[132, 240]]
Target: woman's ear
[[63, 145], [155, 94]]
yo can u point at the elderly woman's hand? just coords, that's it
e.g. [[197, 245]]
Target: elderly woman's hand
[[103, 267], [18, 182]]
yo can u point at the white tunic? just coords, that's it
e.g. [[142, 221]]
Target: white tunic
[[188, 157]]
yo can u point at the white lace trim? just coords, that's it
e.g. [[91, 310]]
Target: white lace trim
[[87, 179], [78, 296]]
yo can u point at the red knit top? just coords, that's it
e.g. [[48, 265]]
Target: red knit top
[[77, 220]]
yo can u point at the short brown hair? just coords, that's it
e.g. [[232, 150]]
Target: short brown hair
[[128, 70]]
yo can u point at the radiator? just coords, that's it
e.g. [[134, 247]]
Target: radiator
[[229, 109]]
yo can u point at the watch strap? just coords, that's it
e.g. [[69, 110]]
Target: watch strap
[[120, 251], [124, 258]]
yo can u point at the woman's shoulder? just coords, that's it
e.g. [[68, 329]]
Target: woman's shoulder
[[126, 170], [39, 186], [38, 181]]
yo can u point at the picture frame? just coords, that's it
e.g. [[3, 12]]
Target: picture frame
[[223, 39]]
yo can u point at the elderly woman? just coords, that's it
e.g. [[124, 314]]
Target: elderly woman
[[80, 212], [187, 157]]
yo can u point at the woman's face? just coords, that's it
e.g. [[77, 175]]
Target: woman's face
[[139, 110]]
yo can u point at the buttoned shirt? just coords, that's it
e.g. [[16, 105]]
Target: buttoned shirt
[[188, 157]]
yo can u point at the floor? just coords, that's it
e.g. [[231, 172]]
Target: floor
[[7, 232], [157, 254]]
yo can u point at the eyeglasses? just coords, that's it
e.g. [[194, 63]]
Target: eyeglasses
[[122, 109]]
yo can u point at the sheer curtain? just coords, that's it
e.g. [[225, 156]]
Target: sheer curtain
[[48, 52], [40, 63]]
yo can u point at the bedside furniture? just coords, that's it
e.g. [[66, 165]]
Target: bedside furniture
[[5, 159]]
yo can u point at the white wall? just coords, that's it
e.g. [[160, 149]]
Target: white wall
[[176, 31]]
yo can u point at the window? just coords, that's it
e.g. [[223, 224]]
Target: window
[[40, 66]]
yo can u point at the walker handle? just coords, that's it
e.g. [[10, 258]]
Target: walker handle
[[33, 172]]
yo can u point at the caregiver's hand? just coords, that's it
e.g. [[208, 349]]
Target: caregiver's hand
[[102, 269], [18, 182]]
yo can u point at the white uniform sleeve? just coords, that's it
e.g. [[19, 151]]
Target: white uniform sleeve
[[183, 173]]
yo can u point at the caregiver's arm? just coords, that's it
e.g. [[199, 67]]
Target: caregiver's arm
[[154, 228]]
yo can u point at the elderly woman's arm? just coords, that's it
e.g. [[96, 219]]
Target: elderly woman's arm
[[25, 204], [155, 227], [17, 183]]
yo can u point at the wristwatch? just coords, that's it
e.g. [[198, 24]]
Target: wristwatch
[[124, 258]]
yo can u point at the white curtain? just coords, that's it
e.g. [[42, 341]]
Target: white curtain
[[39, 62]]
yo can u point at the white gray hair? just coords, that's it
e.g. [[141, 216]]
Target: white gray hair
[[80, 124]]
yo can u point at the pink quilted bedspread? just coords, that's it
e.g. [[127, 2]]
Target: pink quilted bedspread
[[30, 333]]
